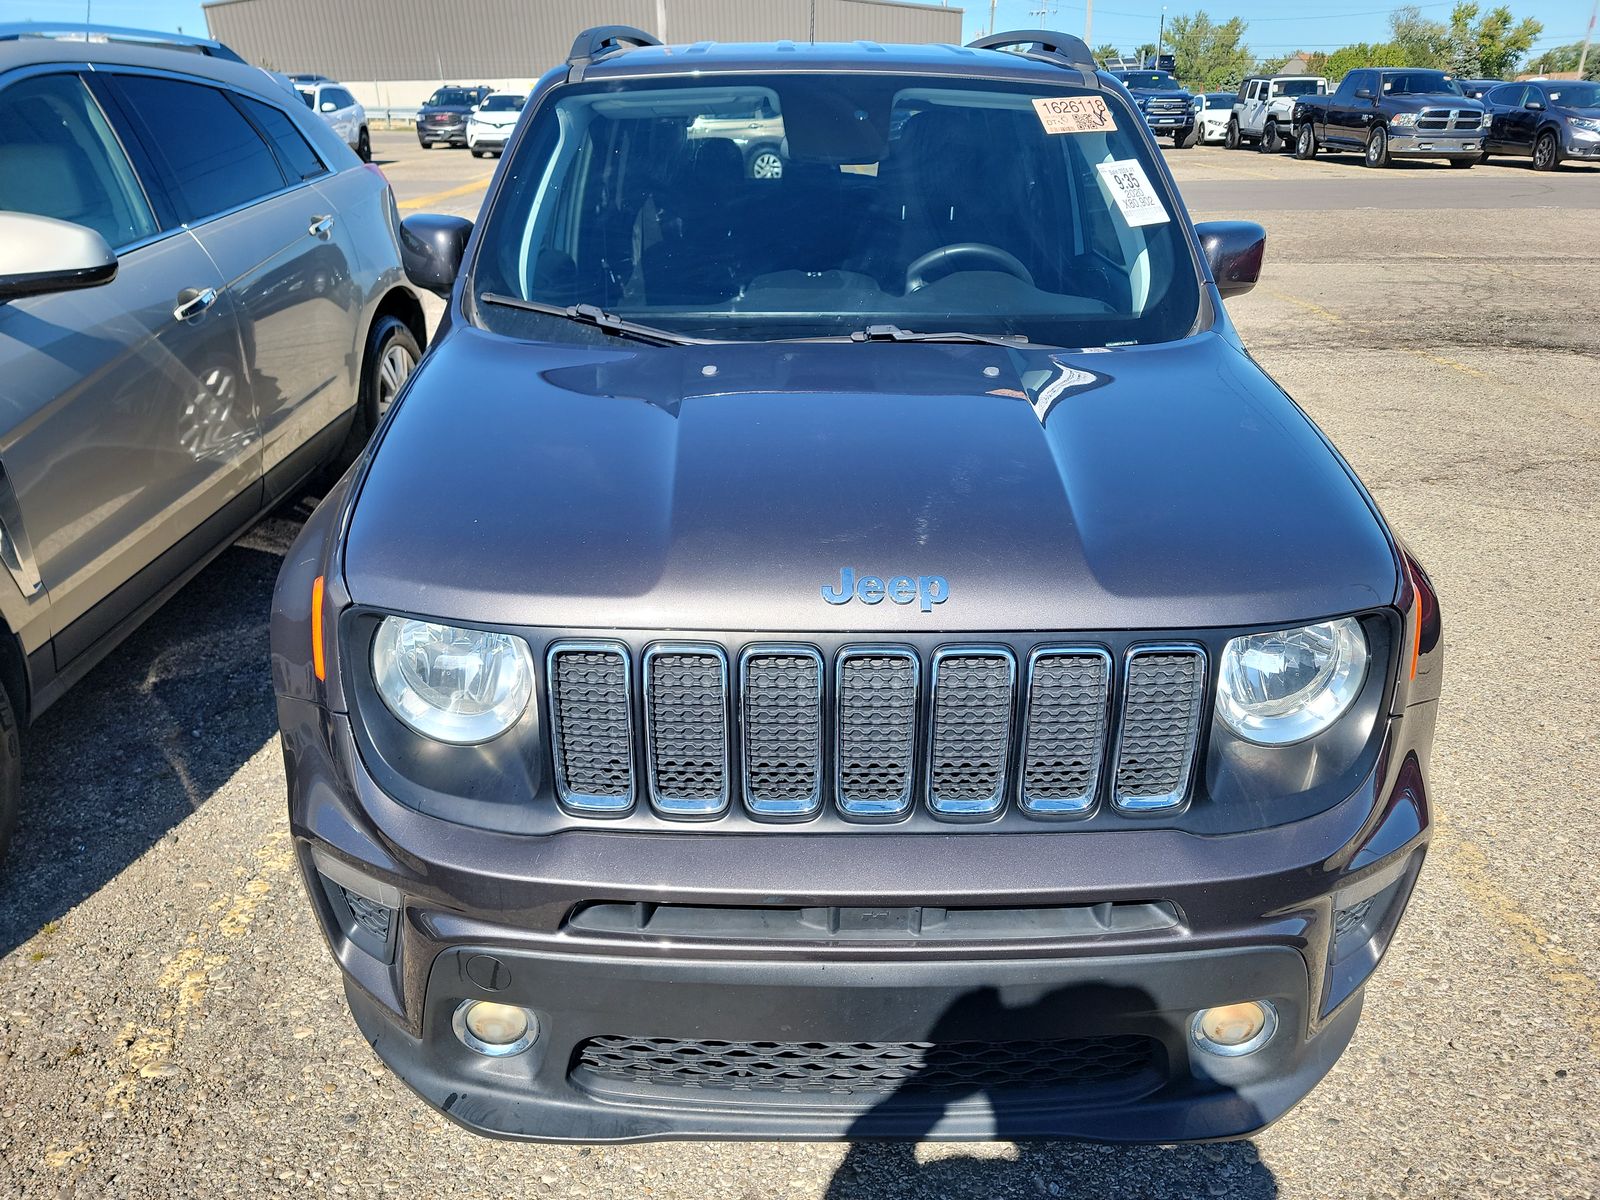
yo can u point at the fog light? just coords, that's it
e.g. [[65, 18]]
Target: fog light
[[1234, 1029], [494, 1029]]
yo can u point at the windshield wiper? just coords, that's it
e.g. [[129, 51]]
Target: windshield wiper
[[595, 316], [893, 333]]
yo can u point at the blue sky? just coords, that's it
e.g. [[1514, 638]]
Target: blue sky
[[1317, 25]]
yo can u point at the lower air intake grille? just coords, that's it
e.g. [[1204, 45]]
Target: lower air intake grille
[[971, 731], [1160, 722], [369, 914], [686, 697], [594, 739], [866, 1067], [877, 731], [782, 714]]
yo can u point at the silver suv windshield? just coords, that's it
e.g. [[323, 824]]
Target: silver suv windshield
[[758, 207]]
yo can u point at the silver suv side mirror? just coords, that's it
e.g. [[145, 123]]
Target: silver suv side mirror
[[39, 255]]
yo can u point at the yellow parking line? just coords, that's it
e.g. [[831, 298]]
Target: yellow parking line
[[434, 197], [1324, 313]]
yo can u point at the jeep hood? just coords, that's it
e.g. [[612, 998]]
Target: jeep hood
[[721, 487]]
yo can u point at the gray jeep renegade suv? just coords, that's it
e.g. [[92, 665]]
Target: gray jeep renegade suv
[[861, 653]]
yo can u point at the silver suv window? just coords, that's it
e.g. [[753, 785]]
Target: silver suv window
[[209, 158], [59, 158]]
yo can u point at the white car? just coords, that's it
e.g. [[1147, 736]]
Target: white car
[[1214, 117], [490, 125], [335, 105]]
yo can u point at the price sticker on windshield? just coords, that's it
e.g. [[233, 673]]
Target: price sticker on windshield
[[1074, 114], [1128, 187]]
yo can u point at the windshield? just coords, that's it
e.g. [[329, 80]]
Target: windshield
[[794, 206], [1574, 95], [459, 96], [1148, 81], [502, 104], [1420, 83], [1295, 87]]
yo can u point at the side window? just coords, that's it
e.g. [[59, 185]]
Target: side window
[[1511, 95], [59, 158], [340, 97], [208, 156], [293, 149]]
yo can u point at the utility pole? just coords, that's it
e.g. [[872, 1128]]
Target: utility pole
[[991, 15], [1588, 36], [1088, 22], [1161, 33]]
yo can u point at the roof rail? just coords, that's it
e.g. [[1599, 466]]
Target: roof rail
[[80, 32], [1060, 48], [592, 45]]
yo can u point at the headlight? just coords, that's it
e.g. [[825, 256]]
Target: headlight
[[1403, 119], [461, 686], [1585, 124], [1283, 687]]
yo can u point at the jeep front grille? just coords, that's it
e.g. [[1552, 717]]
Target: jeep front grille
[[966, 732]]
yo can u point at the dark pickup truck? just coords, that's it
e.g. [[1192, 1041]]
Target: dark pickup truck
[[1390, 114]]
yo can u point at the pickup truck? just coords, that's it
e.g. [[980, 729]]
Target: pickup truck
[[1166, 106], [1386, 114]]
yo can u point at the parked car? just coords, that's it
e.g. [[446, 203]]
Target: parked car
[[1263, 110], [1167, 108], [1385, 115], [1548, 121], [490, 124], [335, 105], [1214, 117], [443, 115], [1476, 89], [201, 306], [916, 675], [758, 136]]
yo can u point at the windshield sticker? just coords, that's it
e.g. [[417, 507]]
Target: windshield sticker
[[1128, 187], [1074, 114]]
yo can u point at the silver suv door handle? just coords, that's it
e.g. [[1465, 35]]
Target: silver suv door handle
[[194, 301], [321, 227]]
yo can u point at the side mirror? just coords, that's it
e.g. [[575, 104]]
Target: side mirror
[[1535, 106], [328, 106], [431, 248], [1363, 93], [1233, 250], [39, 255]]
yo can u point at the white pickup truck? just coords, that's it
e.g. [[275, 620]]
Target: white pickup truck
[[1263, 110]]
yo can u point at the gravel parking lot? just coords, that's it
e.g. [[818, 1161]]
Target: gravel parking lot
[[171, 1024]]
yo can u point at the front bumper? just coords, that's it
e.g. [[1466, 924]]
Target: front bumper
[[480, 915], [1408, 143], [488, 137], [455, 134]]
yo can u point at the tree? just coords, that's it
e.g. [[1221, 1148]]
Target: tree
[[1497, 44], [1418, 42], [1106, 53], [1145, 51], [1209, 56]]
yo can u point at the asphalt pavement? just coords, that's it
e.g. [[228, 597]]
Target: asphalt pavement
[[170, 1023]]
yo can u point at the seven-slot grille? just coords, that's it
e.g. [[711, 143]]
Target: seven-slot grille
[[1050, 732]]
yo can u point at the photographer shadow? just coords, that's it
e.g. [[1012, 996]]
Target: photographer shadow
[[948, 1095]]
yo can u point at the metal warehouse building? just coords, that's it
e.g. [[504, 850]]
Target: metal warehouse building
[[393, 53]]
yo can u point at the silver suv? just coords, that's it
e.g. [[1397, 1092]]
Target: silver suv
[[201, 306]]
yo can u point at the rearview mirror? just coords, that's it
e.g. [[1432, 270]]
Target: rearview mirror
[[1234, 251], [39, 255], [432, 246]]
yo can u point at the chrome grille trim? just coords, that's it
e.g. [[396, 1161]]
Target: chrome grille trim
[[995, 756], [1035, 798], [591, 803], [792, 807], [868, 806], [680, 717], [1139, 722]]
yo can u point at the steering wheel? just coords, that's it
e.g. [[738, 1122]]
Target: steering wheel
[[950, 258]]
